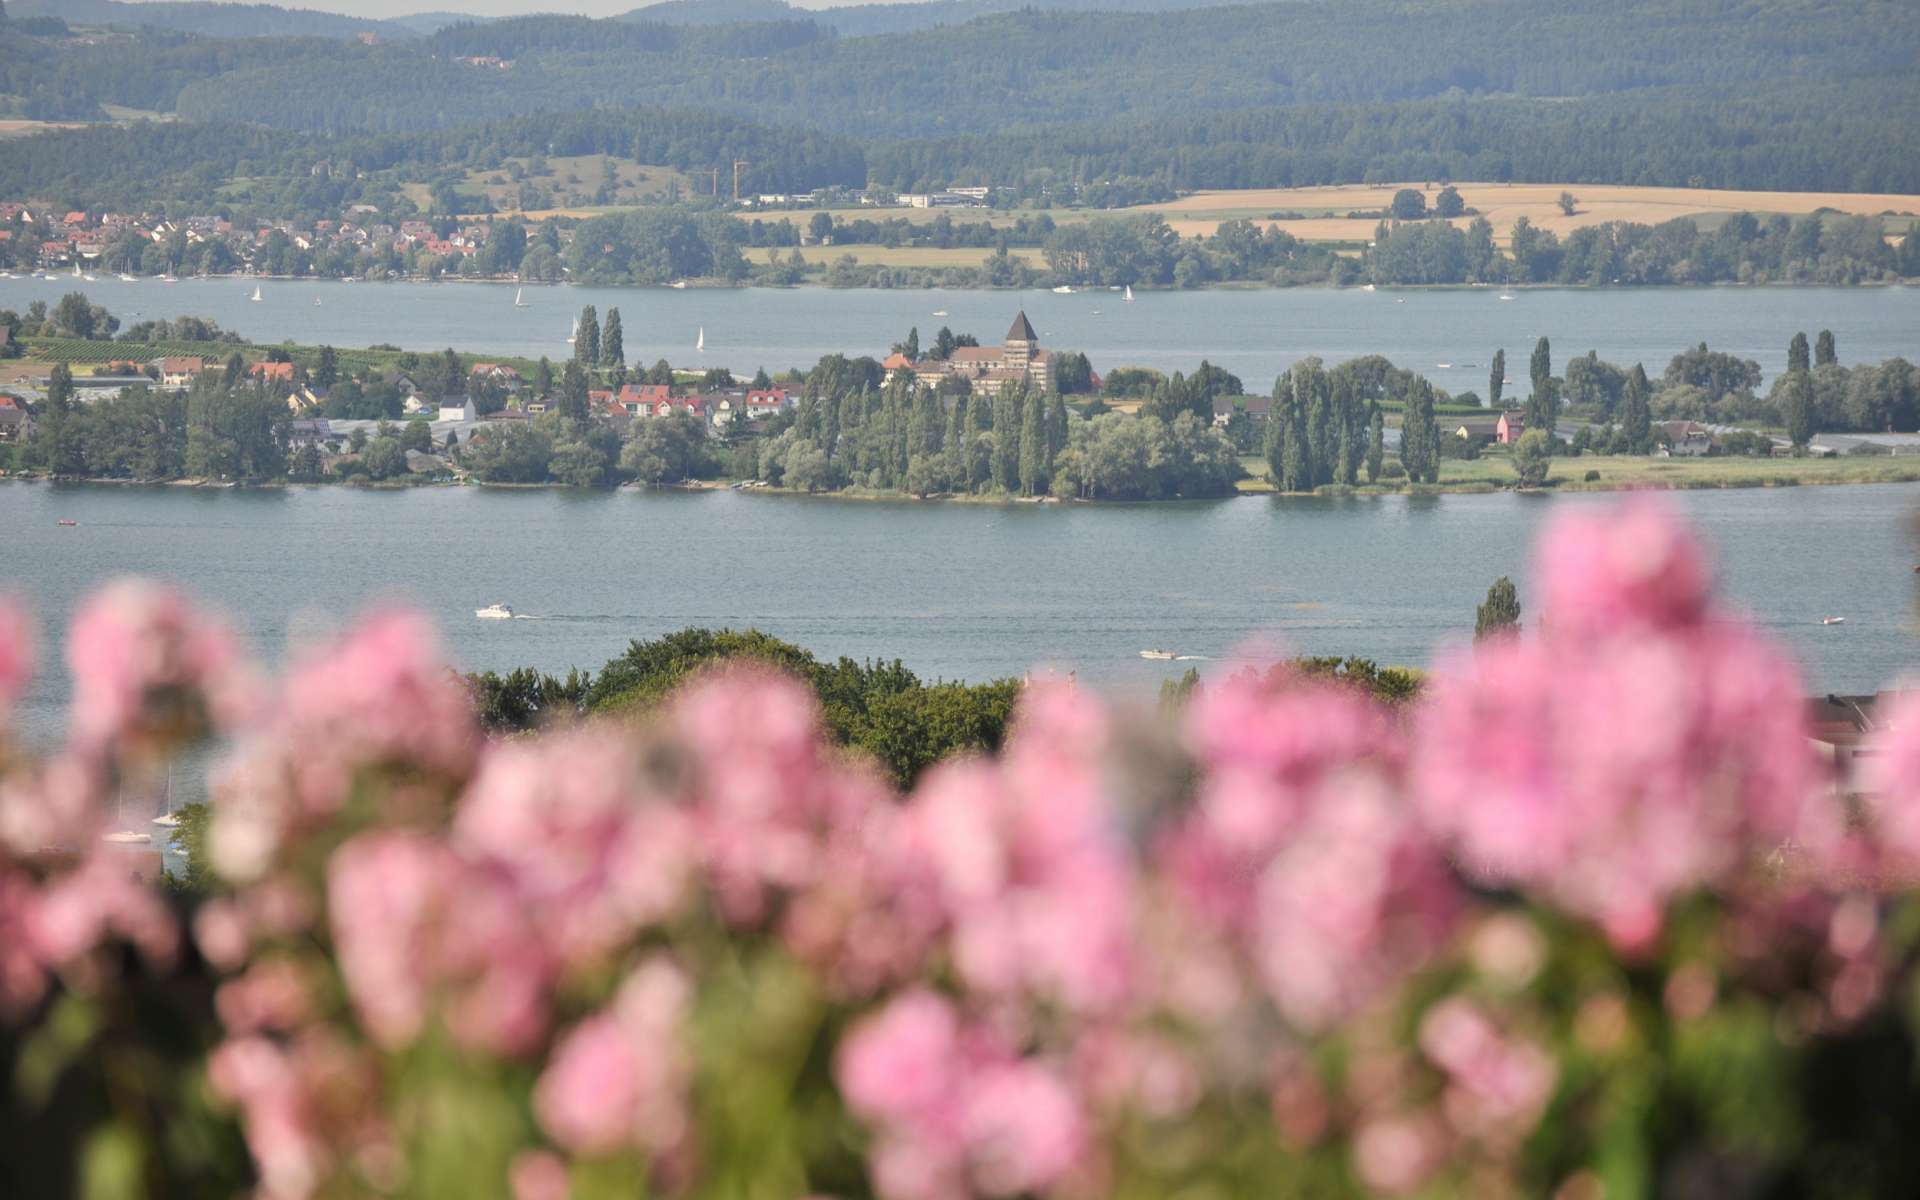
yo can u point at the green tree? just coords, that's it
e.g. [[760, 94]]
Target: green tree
[[1636, 417], [1420, 434], [573, 392], [1376, 444], [1497, 379], [1409, 204], [1448, 203], [1569, 203], [1532, 458], [1543, 406], [1823, 351], [586, 339], [1799, 409], [613, 346], [1033, 447], [1500, 613], [1006, 438], [1798, 356], [417, 436], [326, 371]]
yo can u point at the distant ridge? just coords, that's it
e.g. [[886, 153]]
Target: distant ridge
[[900, 16], [210, 19]]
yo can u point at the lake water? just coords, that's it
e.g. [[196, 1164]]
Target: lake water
[[967, 591], [1255, 333]]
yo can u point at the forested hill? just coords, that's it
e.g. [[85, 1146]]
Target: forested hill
[[200, 166], [902, 16], [209, 19], [1028, 69]]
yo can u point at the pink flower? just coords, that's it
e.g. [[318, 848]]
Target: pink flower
[[16, 653], [618, 1079], [1024, 1129], [383, 692], [148, 668], [539, 1175], [1891, 784], [282, 1128], [900, 1064], [1633, 750], [563, 819], [1499, 1085]]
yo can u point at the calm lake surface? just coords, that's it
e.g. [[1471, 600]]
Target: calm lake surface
[[966, 591], [1255, 333]]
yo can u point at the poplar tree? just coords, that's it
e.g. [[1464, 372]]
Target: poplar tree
[[573, 393], [586, 340], [1497, 379], [1006, 439], [955, 444], [613, 346], [1823, 352], [1056, 429], [1033, 447], [1543, 406], [1636, 420], [1800, 408], [1799, 358], [1376, 445]]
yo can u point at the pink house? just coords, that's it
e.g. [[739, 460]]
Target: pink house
[[1512, 424]]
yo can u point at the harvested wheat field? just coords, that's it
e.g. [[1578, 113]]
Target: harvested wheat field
[[1322, 209]]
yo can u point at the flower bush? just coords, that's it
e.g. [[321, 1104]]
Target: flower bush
[[1587, 919]]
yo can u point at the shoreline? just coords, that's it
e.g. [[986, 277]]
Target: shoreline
[[1258, 491]]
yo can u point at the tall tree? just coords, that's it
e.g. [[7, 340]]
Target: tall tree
[[586, 339], [1799, 414], [1006, 438], [573, 392], [542, 377], [613, 345], [1497, 379], [1500, 613], [1376, 444], [1799, 358], [1033, 447], [1542, 405], [326, 372], [1636, 417], [1823, 352]]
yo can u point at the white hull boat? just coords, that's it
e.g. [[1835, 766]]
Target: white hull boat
[[494, 612]]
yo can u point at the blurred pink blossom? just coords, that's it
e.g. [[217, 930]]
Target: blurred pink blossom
[[618, 1079], [148, 667], [16, 653], [1638, 747], [1498, 1084]]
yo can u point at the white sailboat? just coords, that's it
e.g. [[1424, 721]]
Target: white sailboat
[[700, 343], [575, 335], [520, 298], [1129, 296], [256, 294]]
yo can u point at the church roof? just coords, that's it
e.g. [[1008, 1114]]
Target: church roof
[[1022, 330]]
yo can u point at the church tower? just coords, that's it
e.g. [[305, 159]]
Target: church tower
[[1022, 341]]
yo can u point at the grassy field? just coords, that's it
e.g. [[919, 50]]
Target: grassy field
[[872, 254], [1495, 472], [1323, 209], [572, 180]]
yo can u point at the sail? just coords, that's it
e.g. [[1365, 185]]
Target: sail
[[700, 343]]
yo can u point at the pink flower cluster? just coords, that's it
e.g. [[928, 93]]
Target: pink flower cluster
[[1639, 746], [1102, 932], [959, 1113]]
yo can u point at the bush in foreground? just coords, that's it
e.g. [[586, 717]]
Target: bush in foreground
[[1585, 918]]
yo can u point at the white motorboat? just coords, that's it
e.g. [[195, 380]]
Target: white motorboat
[[1366, 287], [494, 612], [1506, 295], [679, 285], [1443, 366], [1063, 290], [939, 312], [127, 837], [1833, 620], [1159, 655]]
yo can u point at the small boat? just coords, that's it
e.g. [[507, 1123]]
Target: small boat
[[1506, 295], [256, 294], [168, 279], [939, 312], [1833, 620], [127, 837], [575, 335], [1129, 296], [1096, 312], [91, 278], [76, 272], [167, 821], [1443, 366], [520, 298], [1063, 290], [679, 285], [1366, 287], [494, 612], [1159, 655], [66, 521], [700, 343], [126, 278], [316, 302]]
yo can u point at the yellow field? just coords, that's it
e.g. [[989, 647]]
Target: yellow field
[[1323, 209], [20, 129], [900, 256]]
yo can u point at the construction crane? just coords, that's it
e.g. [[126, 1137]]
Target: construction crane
[[737, 164]]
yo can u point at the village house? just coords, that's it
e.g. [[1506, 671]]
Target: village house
[[456, 408], [499, 373], [16, 423], [1509, 427], [1257, 408], [1684, 439], [180, 372], [1477, 429], [770, 402], [643, 399], [271, 372]]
